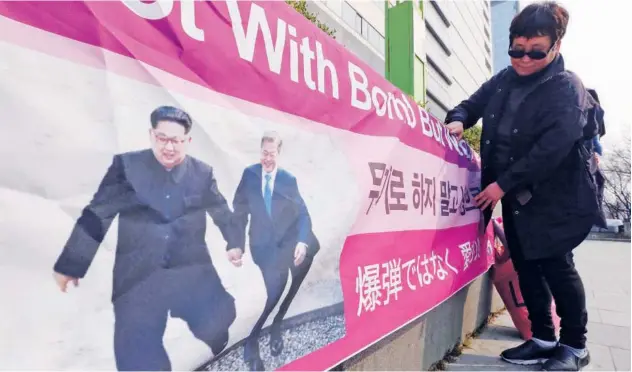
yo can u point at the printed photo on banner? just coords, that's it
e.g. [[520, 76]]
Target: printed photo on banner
[[161, 196], [215, 234]]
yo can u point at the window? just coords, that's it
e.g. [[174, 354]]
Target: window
[[349, 15], [489, 67], [436, 7], [376, 39], [380, 4], [434, 34], [486, 11], [489, 51], [335, 6], [362, 27], [486, 32], [359, 23], [439, 71], [436, 101]]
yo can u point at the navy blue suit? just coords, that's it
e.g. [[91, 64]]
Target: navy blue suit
[[273, 237], [162, 261]]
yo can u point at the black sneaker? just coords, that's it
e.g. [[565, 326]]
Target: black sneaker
[[565, 360], [528, 353]]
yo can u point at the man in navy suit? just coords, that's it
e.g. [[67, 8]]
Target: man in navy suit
[[161, 197], [281, 238]]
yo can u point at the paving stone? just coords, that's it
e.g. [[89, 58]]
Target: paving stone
[[594, 315], [471, 362], [617, 318], [600, 358], [621, 359], [609, 335], [608, 300], [483, 354]]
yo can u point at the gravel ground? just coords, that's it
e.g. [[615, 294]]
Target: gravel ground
[[299, 341]]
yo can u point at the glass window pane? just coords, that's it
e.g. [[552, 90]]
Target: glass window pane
[[364, 27], [335, 6], [348, 14], [376, 40], [379, 4], [382, 45], [372, 36]]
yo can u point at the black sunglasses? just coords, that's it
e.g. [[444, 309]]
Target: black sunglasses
[[533, 54]]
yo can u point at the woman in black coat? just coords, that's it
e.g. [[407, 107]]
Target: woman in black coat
[[534, 125]]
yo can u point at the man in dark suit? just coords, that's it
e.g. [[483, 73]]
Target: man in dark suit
[[162, 265], [281, 238]]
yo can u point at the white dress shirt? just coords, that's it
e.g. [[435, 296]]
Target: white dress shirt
[[273, 175], [263, 181]]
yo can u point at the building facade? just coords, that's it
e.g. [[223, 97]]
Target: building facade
[[503, 13], [359, 26], [452, 43], [458, 51]]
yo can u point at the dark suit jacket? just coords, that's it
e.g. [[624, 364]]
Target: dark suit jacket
[[162, 219], [275, 237]]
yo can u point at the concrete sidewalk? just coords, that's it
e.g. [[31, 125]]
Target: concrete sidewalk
[[605, 270]]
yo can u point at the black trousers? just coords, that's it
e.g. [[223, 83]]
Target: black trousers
[[191, 294], [275, 279], [543, 279]]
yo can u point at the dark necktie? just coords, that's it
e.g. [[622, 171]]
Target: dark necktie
[[267, 195]]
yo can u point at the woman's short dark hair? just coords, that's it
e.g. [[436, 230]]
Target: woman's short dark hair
[[169, 113], [540, 19]]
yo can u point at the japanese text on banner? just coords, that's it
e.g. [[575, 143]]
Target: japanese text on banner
[[380, 284]]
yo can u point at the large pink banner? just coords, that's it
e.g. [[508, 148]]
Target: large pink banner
[[386, 194]]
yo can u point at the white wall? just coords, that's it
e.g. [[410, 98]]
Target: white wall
[[420, 44], [467, 43], [465, 38]]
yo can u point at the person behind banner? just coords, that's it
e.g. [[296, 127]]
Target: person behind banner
[[593, 145], [161, 196], [281, 238], [533, 158], [595, 113]]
